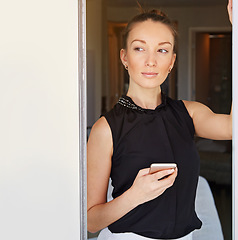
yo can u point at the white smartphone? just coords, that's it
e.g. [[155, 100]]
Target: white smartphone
[[155, 167]]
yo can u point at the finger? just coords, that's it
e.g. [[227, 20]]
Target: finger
[[163, 173], [174, 174], [143, 172], [161, 186], [169, 180], [229, 9]]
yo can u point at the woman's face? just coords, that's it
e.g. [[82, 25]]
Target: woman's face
[[149, 54]]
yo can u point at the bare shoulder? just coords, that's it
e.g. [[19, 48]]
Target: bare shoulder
[[100, 138], [194, 107], [101, 129], [99, 153]]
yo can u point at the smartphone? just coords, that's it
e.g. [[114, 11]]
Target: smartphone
[[155, 167]]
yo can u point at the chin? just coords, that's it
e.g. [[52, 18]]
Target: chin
[[151, 85], [148, 83]]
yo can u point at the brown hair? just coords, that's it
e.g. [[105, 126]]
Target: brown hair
[[155, 16]]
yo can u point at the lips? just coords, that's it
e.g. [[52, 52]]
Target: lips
[[149, 74]]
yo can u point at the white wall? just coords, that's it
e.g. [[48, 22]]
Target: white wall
[[39, 172], [187, 17]]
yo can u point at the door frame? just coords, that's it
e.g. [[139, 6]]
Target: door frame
[[235, 120], [82, 95]]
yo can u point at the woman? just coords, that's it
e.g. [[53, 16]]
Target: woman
[[147, 127]]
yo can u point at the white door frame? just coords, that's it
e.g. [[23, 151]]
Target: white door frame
[[82, 69], [235, 121]]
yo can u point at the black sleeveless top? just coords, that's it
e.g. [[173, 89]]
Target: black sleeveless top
[[144, 136]]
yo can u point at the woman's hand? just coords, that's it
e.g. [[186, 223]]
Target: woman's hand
[[229, 9], [146, 186]]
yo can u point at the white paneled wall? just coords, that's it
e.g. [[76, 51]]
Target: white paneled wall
[[39, 146]]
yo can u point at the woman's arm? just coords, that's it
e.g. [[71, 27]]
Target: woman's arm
[[209, 124], [100, 148], [229, 9], [145, 187]]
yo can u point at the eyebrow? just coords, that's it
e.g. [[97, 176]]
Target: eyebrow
[[142, 41], [162, 43], [137, 40]]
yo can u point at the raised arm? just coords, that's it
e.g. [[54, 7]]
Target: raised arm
[[209, 124], [146, 186], [229, 9]]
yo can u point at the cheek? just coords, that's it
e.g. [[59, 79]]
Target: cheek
[[135, 63], [134, 59], [165, 63]]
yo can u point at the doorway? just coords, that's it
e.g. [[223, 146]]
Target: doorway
[[213, 70], [212, 86]]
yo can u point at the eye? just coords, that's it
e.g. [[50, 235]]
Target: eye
[[139, 49], [163, 51]]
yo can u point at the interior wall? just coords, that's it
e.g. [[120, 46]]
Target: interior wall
[[187, 17], [39, 156]]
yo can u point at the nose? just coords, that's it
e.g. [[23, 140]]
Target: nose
[[151, 61]]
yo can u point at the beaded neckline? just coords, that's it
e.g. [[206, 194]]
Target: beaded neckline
[[126, 101]]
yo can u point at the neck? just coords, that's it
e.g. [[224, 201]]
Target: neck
[[146, 98]]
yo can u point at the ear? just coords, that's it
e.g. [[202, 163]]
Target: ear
[[123, 57], [173, 61]]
